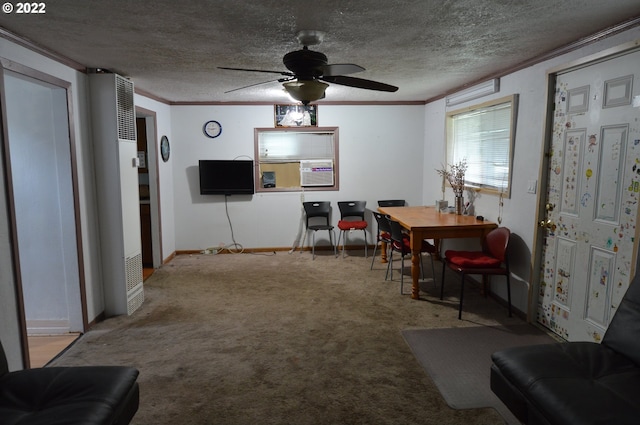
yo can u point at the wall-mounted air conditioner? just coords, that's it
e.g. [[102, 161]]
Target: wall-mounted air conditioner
[[317, 172]]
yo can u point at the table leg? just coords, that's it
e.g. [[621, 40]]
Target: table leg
[[415, 275], [383, 248]]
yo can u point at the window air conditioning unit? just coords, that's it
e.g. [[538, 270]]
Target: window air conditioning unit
[[317, 172]]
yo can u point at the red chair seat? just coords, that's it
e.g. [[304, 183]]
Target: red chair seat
[[474, 259], [406, 241], [348, 225]]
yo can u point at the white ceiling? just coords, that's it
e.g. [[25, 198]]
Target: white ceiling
[[171, 49]]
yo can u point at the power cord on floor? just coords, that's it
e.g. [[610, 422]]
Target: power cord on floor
[[234, 247]]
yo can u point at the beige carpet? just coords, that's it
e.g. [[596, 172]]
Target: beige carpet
[[281, 339]]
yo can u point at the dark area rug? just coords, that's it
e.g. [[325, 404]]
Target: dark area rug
[[459, 360]]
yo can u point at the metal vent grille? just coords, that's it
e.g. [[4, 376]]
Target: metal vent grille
[[135, 292], [133, 270], [316, 173], [126, 111], [135, 301]]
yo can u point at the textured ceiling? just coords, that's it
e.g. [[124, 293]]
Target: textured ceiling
[[171, 49]]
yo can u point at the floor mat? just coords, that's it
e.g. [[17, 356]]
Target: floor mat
[[459, 360]]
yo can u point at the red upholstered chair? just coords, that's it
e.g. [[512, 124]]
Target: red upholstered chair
[[383, 234], [492, 260], [352, 218], [401, 243]]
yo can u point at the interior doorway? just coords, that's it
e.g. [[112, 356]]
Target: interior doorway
[[150, 233], [43, 204]]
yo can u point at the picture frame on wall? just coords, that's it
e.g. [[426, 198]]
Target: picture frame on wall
[[296, 115]]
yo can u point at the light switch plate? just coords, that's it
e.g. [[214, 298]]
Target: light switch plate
[[532, 186]]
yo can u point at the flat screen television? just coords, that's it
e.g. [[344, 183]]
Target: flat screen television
[[226, 177]]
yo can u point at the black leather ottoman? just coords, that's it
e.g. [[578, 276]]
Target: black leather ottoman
[[576, 383], [86, 395]]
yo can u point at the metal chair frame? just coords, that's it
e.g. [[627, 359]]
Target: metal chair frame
[[319, 209], [494, 245], [383, 227], [351, 209], [398, 245]]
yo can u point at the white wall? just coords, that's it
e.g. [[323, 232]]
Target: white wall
[[380, 151], [519, 212]]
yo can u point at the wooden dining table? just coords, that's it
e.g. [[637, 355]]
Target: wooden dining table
[[429, 223]]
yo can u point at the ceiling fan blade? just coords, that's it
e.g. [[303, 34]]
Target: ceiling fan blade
[[360, 83], [288, 74], [279, 80], [341, 69]]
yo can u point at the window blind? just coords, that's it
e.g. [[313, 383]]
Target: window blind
[[483, 137]]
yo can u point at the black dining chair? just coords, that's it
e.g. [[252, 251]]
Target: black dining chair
[[318, 217], [392, 203], [400, 243], [383, 233], [352, 218]]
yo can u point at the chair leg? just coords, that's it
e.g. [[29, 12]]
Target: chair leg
[[461, 297], [509, 293], [345, 237], [433, 269], [313, 246], [375, 247], [389, 264], [402, 276], [365, 242], [444, 264], [332, 236]]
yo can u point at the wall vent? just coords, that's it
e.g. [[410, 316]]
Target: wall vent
[[135, 293], [318, 172], [126, 111]]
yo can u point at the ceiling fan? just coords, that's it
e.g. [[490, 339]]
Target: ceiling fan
[[309, 72]]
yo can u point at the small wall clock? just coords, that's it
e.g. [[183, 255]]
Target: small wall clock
[[165, 148], [212, 129]]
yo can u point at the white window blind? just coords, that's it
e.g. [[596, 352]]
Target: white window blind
[[299, 146], [483, 137]]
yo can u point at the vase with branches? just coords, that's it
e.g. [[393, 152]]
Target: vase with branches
[[454, 174]]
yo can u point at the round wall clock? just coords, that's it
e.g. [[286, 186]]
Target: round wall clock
[[165, 149], [212, 129]]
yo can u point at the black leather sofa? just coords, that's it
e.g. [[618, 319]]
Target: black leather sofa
[[576, 383], [84, 395]]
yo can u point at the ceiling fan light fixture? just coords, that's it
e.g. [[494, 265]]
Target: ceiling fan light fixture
[[306, 91]]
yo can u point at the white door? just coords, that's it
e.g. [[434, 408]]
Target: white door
[[592, 198]]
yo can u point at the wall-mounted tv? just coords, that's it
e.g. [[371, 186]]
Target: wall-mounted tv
[[226, 177]]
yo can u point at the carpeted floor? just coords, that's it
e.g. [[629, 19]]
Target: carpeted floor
[[459, 360], [281, 339]]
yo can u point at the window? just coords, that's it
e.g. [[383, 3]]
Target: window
[[296, 158], [484, 135]]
